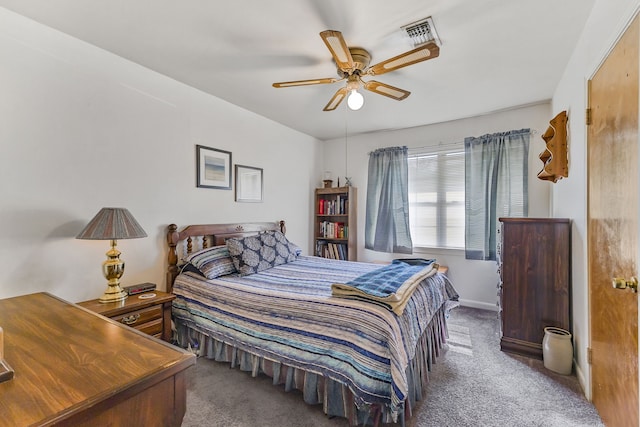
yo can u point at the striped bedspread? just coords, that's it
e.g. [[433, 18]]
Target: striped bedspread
[[287, 314]]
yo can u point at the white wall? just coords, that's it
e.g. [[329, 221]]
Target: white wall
[[607, 22], [475, 280], [83, 129]]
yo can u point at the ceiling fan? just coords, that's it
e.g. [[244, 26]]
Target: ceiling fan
[[353, 64]]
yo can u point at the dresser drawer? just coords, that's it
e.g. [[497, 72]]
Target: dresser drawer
[[152, 328], [147, 320]]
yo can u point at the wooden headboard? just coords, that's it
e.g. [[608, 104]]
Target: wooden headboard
[[198, 237]]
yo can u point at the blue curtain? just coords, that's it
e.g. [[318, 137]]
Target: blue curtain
[[387, 210], [496, 185]]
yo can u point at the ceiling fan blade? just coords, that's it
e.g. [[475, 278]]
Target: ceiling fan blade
[[336, 99], [422, 53], [386, 90], [306, 82], [339, 50]]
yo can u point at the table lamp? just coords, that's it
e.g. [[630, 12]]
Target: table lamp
[[112, 224]]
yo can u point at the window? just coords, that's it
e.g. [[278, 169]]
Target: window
[[436, 198]]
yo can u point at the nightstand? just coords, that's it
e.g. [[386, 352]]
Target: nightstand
[[151, 315]]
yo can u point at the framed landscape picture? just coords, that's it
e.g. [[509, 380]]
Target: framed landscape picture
[[248, 184], [213, 168]]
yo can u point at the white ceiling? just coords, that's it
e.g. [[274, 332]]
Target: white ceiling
[[495, 54]]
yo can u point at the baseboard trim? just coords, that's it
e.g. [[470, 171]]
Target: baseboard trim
[[582, 380], [478, 304]]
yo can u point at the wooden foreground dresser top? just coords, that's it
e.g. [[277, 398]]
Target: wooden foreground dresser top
[[74, 367]]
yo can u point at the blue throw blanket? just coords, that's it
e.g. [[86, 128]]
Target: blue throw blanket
[[385, 281], [390, 286]]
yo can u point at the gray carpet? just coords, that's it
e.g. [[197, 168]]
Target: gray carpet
[[472, 384]]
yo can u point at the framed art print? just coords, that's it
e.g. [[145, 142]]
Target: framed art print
[[248, 184], [213, 168]]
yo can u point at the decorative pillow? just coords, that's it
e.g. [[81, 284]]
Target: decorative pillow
[[257, 253], [248, 255], [284, 250], [213, 262]]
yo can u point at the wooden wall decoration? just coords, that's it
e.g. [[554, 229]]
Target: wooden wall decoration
[[554, 156]]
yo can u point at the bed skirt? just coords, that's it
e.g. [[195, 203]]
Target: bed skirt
[[335, 397]]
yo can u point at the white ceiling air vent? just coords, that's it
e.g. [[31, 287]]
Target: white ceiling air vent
[[421, 32]]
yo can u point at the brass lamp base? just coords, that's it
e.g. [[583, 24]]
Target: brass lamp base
[[113, 269], [114, 293]]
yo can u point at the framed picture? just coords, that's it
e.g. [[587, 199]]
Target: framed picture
[[213, 168], [248, 184]]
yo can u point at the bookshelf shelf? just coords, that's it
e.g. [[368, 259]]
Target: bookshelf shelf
[[335, 223]]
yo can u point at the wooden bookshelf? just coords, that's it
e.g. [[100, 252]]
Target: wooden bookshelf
[[335, 231]]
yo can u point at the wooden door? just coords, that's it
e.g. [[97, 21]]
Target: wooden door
[[613, 231]]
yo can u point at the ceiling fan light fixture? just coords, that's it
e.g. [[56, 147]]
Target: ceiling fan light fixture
[[353, 63], [355, 101]]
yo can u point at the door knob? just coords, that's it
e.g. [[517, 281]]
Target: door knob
[[620, 283]]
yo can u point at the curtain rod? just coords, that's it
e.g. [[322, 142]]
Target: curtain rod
[[454, 143], [439, 144]]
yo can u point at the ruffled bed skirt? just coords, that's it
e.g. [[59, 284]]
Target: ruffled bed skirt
[[335, 397]]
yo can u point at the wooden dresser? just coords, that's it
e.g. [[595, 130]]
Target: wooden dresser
[[535, 289], [76, 368]]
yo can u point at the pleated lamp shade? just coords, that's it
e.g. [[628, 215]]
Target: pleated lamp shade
[[112, 224]]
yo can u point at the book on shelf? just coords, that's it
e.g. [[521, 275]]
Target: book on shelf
[[333, 230], [322, 248], [339, 206], [331, 250], [339, 251]]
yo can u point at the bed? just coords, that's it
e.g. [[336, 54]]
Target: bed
[[355, 357]]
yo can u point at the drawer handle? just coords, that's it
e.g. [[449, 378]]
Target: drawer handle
[[131, 319]]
